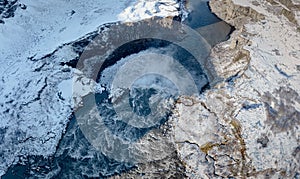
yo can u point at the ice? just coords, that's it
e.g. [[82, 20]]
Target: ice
[[35, 89]]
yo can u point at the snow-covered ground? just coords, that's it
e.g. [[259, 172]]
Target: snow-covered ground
[[34, 100]]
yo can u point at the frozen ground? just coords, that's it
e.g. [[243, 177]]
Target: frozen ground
[[248, 125], [34, 104]]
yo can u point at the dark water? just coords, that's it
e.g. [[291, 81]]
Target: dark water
[[75, 156], [212, 28], [200, 14]]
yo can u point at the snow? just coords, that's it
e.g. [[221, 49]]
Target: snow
[[146, 9], [36, 92]]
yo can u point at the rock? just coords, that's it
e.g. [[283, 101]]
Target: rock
[[234, 13], [245, 125], [22, 6], [8, 8], [255, 103], [36, 89], [263, 141]]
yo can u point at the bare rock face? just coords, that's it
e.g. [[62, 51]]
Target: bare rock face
[[248, 124], [234, 13]]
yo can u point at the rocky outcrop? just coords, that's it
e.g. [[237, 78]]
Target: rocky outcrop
[[235, 14], [248, 124]]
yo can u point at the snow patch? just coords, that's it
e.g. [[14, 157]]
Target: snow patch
[[145, 9]]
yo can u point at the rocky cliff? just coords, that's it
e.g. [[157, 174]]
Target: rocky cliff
[[248, 124]]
